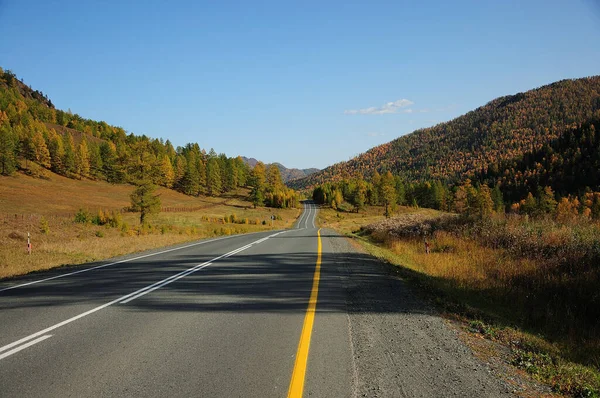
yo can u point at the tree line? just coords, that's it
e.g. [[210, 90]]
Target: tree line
[[474, 199]]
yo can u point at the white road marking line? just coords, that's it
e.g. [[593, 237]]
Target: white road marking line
[[116, 262], [137, 293], [149, 290], [299, 225], [307, 211], [14, 351]]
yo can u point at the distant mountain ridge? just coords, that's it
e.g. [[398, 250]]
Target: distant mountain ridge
[[286, 174], [504, 130]]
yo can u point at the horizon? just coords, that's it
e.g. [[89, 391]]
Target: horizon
[[285, 84]]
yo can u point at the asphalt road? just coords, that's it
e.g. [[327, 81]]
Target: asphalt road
[[274, 314]]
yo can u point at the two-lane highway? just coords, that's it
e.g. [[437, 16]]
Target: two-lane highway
[[273, 314], [222, 317]]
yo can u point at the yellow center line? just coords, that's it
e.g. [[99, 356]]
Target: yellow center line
[[297, 382]]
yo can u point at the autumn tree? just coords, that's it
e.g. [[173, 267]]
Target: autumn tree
[[485, 204], [359, 195], [144, 201], [257, 184], [167, 174], [179, 168], [40, 151], [57, 153], [388, 193], [374, 197], [273, 176], [68, 160], [110, 164], [8, 158], [190, 183], [213, 177], [498, 199], [546, 202], [82, 159]]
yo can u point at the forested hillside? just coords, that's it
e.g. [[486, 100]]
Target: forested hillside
[[488, 138], [32, 130]]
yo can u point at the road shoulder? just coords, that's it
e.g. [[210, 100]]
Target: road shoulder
[[402, 346]]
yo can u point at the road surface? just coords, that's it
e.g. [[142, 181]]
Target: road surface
[[281, 313]]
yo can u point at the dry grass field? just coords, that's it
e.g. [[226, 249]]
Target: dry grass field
[[46, 208]]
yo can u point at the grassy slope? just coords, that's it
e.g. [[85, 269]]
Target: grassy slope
[[25, 201]]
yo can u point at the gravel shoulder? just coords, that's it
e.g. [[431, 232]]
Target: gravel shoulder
[[402, 347]]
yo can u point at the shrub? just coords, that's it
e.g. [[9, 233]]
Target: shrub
[[83, 216], [44, 226], [100, 218], [115, 219]]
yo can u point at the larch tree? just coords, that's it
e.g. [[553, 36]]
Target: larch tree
[[213, 177], [167, 173], [57, 152], [257, 182], [144, 201], [274, 181], [82, 159], [40, 150], [388, 192], [190, 182], [68, 153], [485, 203], [8, 158], [359, 195], [180, 166]]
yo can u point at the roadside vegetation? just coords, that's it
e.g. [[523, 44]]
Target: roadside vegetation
[[528, 282]]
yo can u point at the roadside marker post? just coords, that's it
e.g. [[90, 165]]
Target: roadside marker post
[[28, 244]]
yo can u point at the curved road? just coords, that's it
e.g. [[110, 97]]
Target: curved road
[[273, 314]]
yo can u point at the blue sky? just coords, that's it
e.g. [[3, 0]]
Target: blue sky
[[304, 83]]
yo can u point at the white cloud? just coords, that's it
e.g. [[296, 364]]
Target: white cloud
[[390, 107]]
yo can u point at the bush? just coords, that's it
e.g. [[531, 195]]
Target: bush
[[44, 226], [115, 219], [83, 216], [99, 219], [100, 234]]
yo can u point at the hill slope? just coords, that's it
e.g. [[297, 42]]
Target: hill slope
[[33, 131], [502, 130]]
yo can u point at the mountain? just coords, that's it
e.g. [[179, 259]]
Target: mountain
[[504, 130], [286, 174]]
